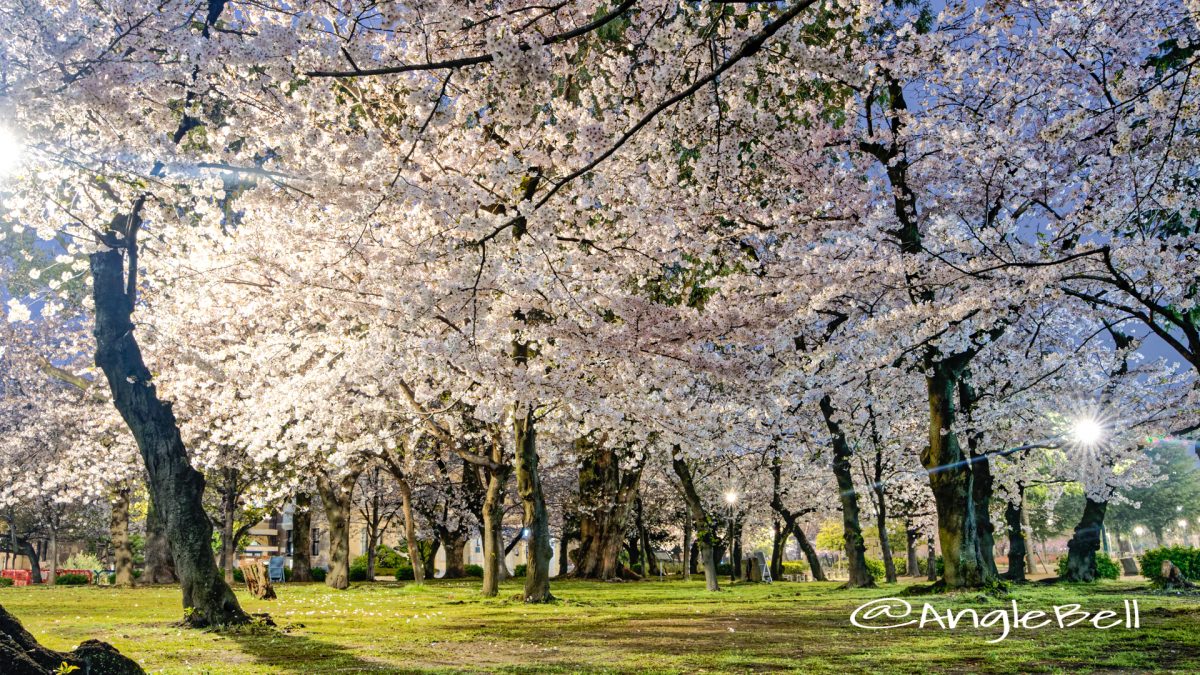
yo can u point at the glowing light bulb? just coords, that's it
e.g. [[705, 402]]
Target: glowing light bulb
[[730, 497]]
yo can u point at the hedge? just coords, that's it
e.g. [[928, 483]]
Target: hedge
[[1186, 558], [1106, 567], [71, 580]]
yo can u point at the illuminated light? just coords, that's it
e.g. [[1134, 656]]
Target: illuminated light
[[10, 151], [1139, 530], [730, 497], [1087, 431]]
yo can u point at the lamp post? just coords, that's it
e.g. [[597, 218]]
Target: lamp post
[[731, 499]]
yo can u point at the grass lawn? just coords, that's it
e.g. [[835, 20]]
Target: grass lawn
[[594, 627]]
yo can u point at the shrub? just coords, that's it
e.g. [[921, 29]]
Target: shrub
[[238, 576], [5, 581], [317, 574], [358, 569], [385, 572], [71, 580], [519, 570], [1187, 559], [473, 571], [795, 567], [83, 561], [939, 562], [723, 569], [876, 568], [1106, 567]]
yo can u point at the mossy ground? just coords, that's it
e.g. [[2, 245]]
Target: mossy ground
[[616, 627]]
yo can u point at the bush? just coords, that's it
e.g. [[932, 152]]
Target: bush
[[795, 567], [473, 571], [723, 569], [83, 561], [875, 567], [317, 574], [939, 562], [358, 569], [1187, 559], [71, 580], [1106, 567], [519, 570], [5, 581], [238, 576]]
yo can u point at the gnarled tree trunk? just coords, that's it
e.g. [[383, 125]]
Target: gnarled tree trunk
[[537, 521], [810, 554], [302, 538], [706, 536], [606, 494], [1081, 550], [493, 522], [914, 565], [856, 548], [410, 533], [1017, 548], [20, 654], [335, 496]]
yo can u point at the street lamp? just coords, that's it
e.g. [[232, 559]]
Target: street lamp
[[731, 499]]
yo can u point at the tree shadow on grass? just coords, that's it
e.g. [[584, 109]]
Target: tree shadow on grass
[[287, 651]]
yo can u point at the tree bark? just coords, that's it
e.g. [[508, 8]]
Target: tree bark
[[778, 544], [35, 563], [493, 522], [410, 534], [229, 495], [931, 561], [885, 547], [810, 554], [336, 499], [302, 538], [53, 573], [706, 536], [1017, 548], [537, 521], [952, 480], [856, 548], [20, 654], [1081, 550], [914, 565], [257, 580], [686, 552], [176, 488], [454, 546], [160, 564], [606, 494], [119, 530]]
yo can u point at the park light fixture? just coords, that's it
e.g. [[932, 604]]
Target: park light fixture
[[730, 497], [10, 151], [1087, 432]]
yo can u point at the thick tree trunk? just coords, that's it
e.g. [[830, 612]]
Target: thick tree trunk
[[336, 499], [493, 523], [410, 534], [302, 538], [160, 564], [1017, 549], [1025, 527], [706, 535], [176, 488], [606, 494], [35, 563], [778, 544], [537, 521], [856, 548], [914, 564], [735, 554], [952, 480], [810, 554], [454, 546], [20, 654], [1081, 550], [649, 564], [564, 540], [118, 526]]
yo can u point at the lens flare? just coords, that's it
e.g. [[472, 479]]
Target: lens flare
[[10, 151], [1087, 431]]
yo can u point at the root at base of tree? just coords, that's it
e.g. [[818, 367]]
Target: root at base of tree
[[21, 654]]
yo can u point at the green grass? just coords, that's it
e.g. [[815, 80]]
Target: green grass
[[595, 627]]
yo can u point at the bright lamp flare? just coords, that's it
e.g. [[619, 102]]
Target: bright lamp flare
[[1087, 431], [10, 151], [730, 497]]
